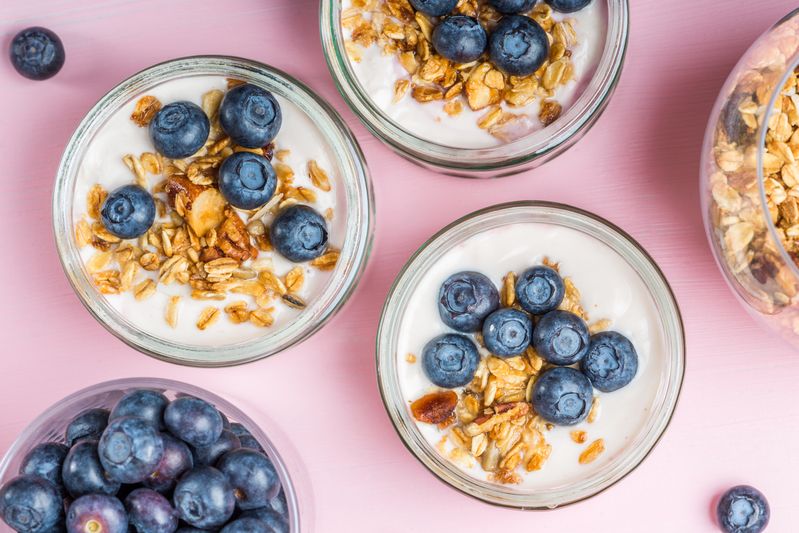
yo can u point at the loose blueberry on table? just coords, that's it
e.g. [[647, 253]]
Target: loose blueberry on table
[[143, 476], [743, 509], [37, 53]]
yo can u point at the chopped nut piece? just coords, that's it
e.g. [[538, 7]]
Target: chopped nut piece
[[145, 110], [578, 436], [434, 408]]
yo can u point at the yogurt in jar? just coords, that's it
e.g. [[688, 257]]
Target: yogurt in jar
[[298, 142], [377, 72], [610, 289]]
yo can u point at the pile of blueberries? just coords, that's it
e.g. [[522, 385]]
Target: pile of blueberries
[[468, 302], [518, 45], [149, 465], [251, 117]]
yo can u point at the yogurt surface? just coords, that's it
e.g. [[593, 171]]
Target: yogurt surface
[[103, 164], [610, 289], [377, 72]]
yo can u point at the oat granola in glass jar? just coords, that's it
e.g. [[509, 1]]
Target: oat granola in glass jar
[[750, 178]]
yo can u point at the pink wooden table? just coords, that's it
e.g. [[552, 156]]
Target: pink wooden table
[[738, 418]]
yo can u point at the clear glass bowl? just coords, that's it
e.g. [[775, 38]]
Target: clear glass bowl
[[51, 425], [736, 213], [668, 372], [359, 212], [507, 159]]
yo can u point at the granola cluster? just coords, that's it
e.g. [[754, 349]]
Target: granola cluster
[[402, 32], [198, 239], [491, 421]]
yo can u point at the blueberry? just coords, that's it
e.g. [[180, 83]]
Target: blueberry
[[510, 7], [434, 8], [250, 116], [465, 299], [540, 290], [561, 338], [31, 504], [252, 476], [460, 39], [130, 449], [45, 461], [179, 129], [37, 53], [142, 403], [248, 441], [563, 396], [743, 509], [450, 360], [247, 525], [507, 332], [97, 513], [83, 473], [208, 455], [89, 424], [299, 233], [568, 6], [611, 362], [176, 460], [279, 504], [194, 421], [239, 429], [204, 498], [247, 180], [518, 45], [277, 522], [128, 212], [150, 512]]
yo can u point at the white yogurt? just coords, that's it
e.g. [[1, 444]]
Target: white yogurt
[[102, 163], [610, 289], [377, 73]]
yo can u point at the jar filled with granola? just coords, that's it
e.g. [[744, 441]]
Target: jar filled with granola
[[750, 178]]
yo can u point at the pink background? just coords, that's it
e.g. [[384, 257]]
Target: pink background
[[738, 417]]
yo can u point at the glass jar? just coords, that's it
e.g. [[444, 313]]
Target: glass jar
[[51, 426], [354, 202], [517, 156], [738, 216], [662, 345]]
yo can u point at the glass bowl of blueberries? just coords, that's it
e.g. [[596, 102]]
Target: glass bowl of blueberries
[[145, 454], [543, 359], [212, 211], [477, 88]]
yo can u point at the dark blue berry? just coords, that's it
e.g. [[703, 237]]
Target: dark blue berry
[[611, 362], [204, 498], [83, 473], [274, 520], [460, 39], [507, 332], [450, 360], [150, 512], [568, 6], [89, 424], [434, 8], [247, 180], [465, 299], [208, 455], [128, 212], [31, 504], [518, 45], [247, 525], [37, 53], [194, 421], [540, 290], [179, 129], [511, 7], [97, 513], [250, 116], [563, 396], [239, 429], [252, 476], [45, 461], [176, 460], [279, 504], [561, 338], [248, 441], [299, 233], [142, 403], [130, 449], [743, 509]]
